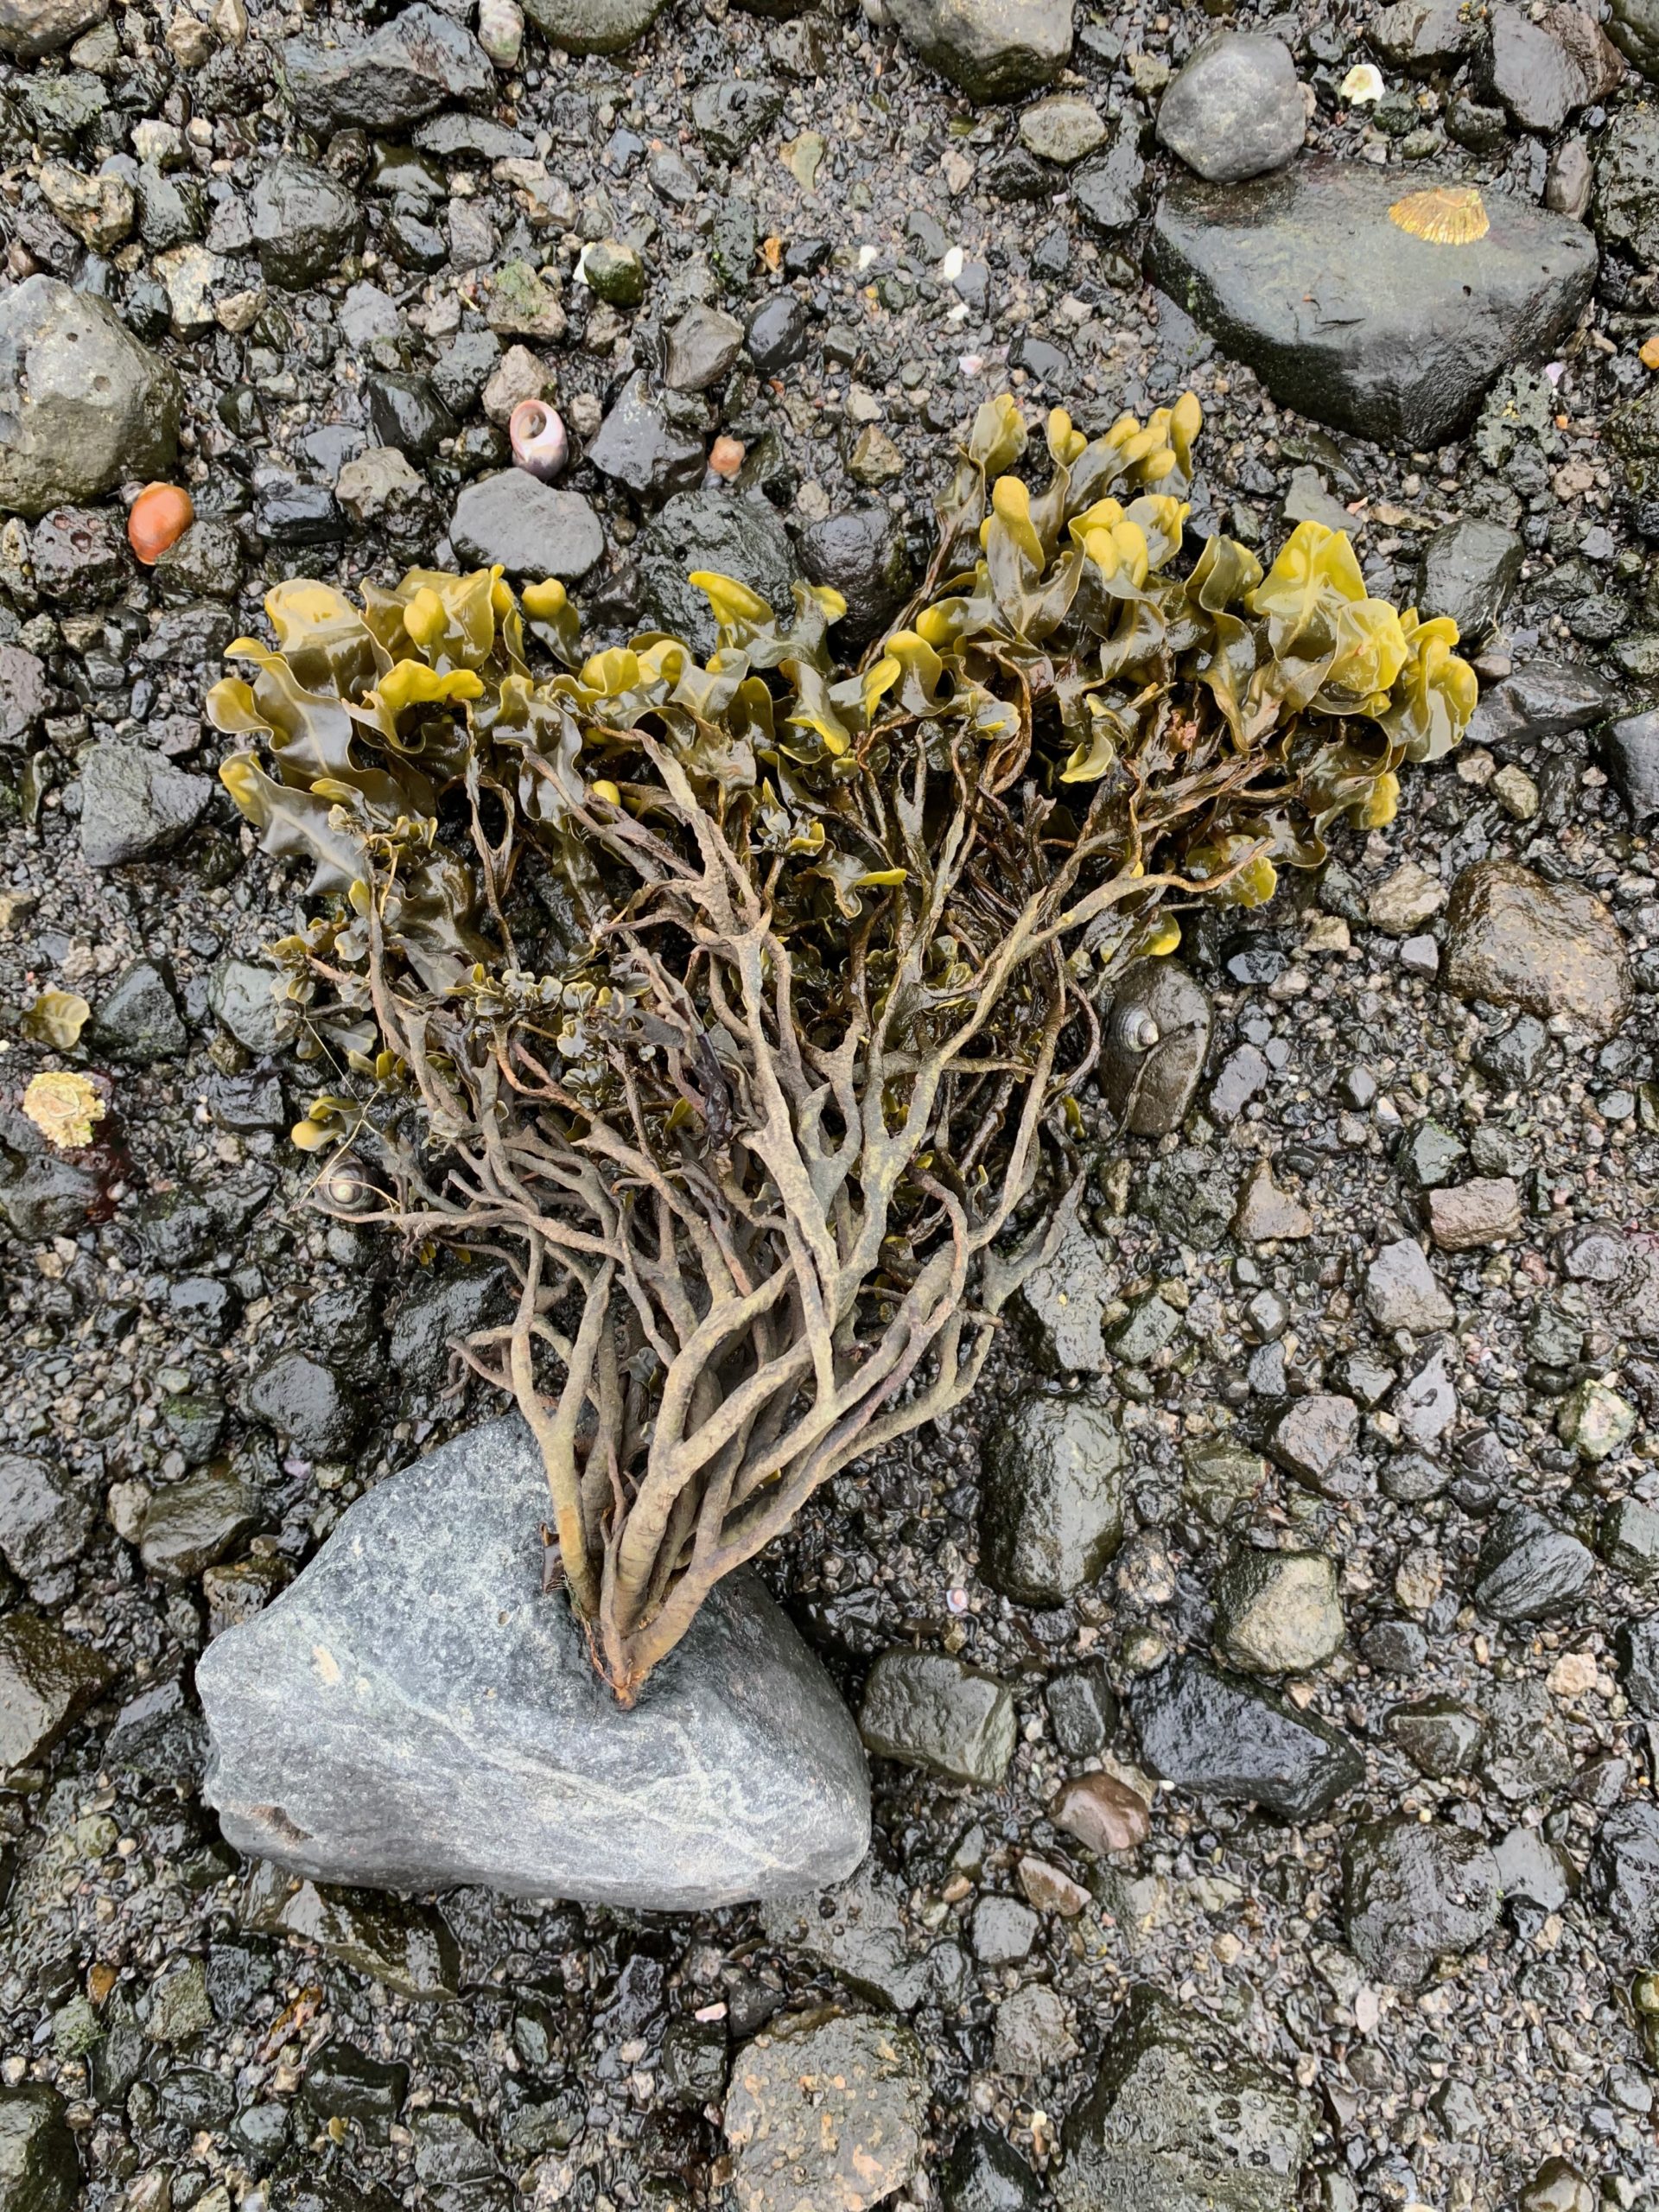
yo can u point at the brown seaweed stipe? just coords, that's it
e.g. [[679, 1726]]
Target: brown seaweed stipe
[[1444, 215], [739, 1007]]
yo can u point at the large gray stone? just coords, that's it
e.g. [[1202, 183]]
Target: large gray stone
[[593, 26], [135, 802], [29, 28], [1349, 319], [1235, 108], [83, 407], [533, 529], [995, 49], [1052, 1510], [413, 1712], [420, 60]]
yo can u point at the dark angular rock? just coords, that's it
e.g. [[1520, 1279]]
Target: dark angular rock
[[191, 1524], [730, 114], [1530, 1568], [701, 346], [29, 28], [643, 448], [138, 1021], [1543, 699], [1082, 1710], [410, 1947], [1313, 1435], [1157, 1036], [695, 2063], [43, 1523], [342, 2082], [985, 2173], [1621, 1878], [533, 529], [406, 412], [46, 1681], [413, 1712], [292, 517], [83, 407], [1216, 1733], [1633, 26], [1532, 71], [777, 333], [1438, 1735], [1470, 568], [1638, 1659], [1110, 194], [433, 1314], [134, 803], [40, 2168], [1235, 108], [1630, 752], [860, 554], [1413, 1892], [77, 554], [417, 63], [731, 533], [158, 1733], [858, 1932], [302, 1399], [1181, 2119], [303, 221], [932, 1711], [1052, 1500], [1550, 948], [1352, 319]]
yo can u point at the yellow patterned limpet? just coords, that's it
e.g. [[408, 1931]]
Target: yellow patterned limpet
[[1445, 215]]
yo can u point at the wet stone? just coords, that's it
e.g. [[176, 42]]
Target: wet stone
[[433, 1315], [408, 1947], [1621, 1878], [533, 530], [191, 1524], [1062, 129], [645, 448], [929, 1711], [1438, 1735], [859, 552], [137, 1020], [1034, 2032], [826, 2110], [1409, 335], [1313, 1435], [1633, 27], [1638, 1660], [1529, 1568], [1110, 194], [302, 1399], [1531, 1868], [858, 1932], [1235, 110], [730, 533], [694, 2062], [1414, 1893], [1531, 70], [1052, 1511], [1470, 568], [994, 49], [985, 2173], [1221, 1735], [701, 347], [1082, 1710], [1103, 1813], [1629, 1539], [1278, 1612], [77, 554], [83, 405], [417, 62], [1066, 1298], [1180, 2119], [158, 1733], [1217, 1476], [1267, 1213], [1157, 1036], [47, 1680], [1630, 752], [1003, 1931], [1402, 1292], [44, 1523], [1542, 699], [1595, 1421], [1549, 948], [1468, 1216], [40, 2168], [614, 273], [1525, 1756], [303, 221], [730, 114]]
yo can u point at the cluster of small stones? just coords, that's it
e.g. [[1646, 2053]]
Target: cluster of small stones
[[1261, 1676]]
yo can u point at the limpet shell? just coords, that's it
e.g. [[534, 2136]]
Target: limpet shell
[[1445, 215]]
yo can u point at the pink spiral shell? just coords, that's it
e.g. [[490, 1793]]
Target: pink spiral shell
[[538, 440]]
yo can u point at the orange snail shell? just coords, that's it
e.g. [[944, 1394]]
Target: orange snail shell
[[1444, 215], [158, 518]]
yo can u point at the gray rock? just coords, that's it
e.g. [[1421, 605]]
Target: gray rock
[[418, 62], [1633, 26], [1530, 1568], [1621, 1878], [43, 1523], [1402, 1292], [303, 1399], [433, 1314], [1052, 1498], [702, 346], [134, 803], [1034, 2032], [731, 533], [1181, 2119], [189, 1525], [1421, 36], [1218, 1734], [533, 529], [1004, 1931], [1438, 1735], [137, 1020], [1525, 1755], [729, 114], [1542, 699], [593, 26], [1413, 1893], [1630, 752], [40, 2170], [1638, 1660], [776, 334], [413, 1712], [1063, 128], [24, 693], [1532, 72], [1278, 1612], [408, 1947], [1067, 1297], [303, 220], [936, 1713], [1314, 1435], [1111, 192], [1235, 110], [1082, 1710], [1571, 179], [1550, 948], [29, 28], [1626, 204], [1157, 1036], [826, 2111], [1352, 319], [858, 1932], [83, 407], [994, 49], [985, 2173], [46, 1681], [860, 553], [1532, 1868], [79, 554], [1470, 568], [645, 448], [243, 994], [159, 1734]]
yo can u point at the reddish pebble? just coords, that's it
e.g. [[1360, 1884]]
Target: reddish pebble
[[726, 456], [1050, 1888], [1106, 1814], [158, 518]]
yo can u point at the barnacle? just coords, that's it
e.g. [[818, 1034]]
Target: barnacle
[[1445, 215], [735, 994]]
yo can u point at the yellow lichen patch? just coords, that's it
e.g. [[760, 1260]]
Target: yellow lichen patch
[[63, 1107], [1445, 215]]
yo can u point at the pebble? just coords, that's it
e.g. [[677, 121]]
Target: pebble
[[1224, 1737], [1052, 1498], [826, 2110], [1414, 1893], [533, 529], [1235, 109], [134, 803], [1103, 1813], [1530, 1568], [1277, 1612], [992, 49], [1062, 129], [1549, 948], [1469, 1216], [929, 1711], [87, 407]]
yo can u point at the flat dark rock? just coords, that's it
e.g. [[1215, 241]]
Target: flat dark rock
[[533, 529], [413, 1712], [1353, 320]]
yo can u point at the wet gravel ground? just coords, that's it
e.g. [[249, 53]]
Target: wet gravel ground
[[580, 2056]]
